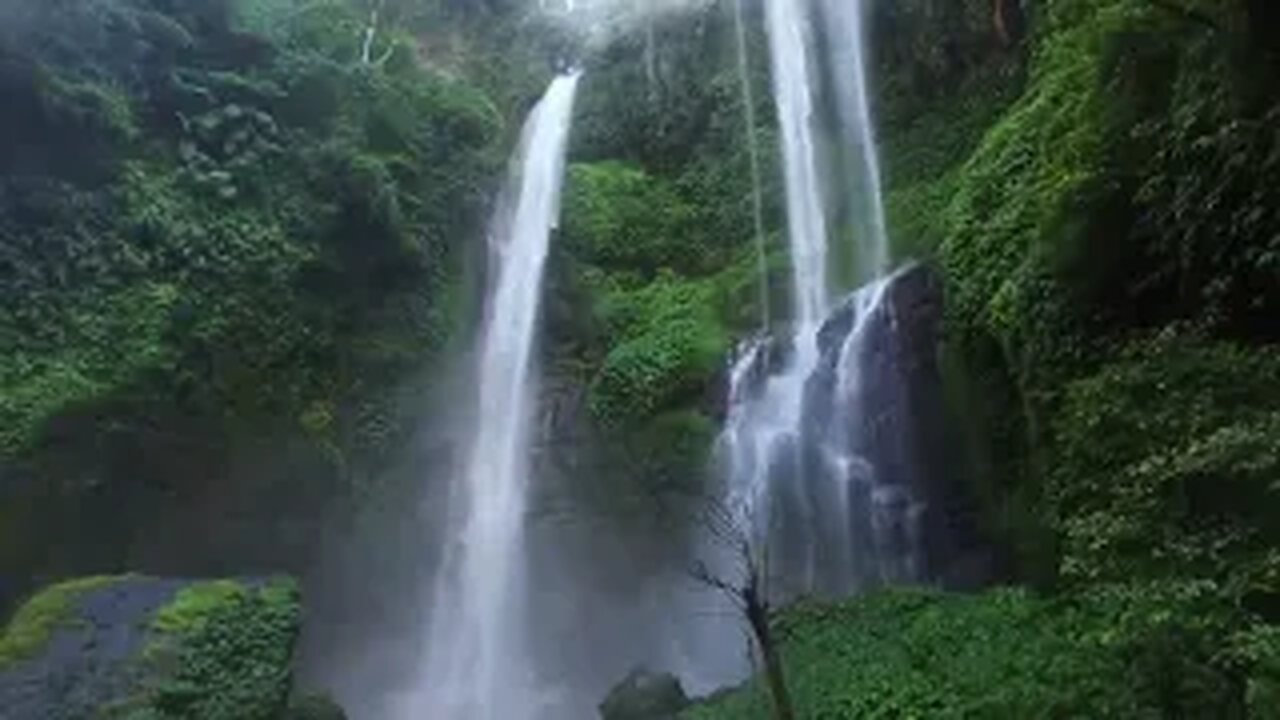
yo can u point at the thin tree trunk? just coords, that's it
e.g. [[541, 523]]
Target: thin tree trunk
[[998, 22], [758, 617]]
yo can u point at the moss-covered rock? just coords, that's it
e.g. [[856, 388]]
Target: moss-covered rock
[[136, 647], [314, 707], [35, 623], [643, 695]]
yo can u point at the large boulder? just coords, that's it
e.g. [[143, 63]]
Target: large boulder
[[644, 695], [140, 648]]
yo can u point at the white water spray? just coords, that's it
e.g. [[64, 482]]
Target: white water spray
[[477, 666], [794, 80], [846, 29]]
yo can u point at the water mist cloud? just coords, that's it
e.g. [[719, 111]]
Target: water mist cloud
[[601, 20]]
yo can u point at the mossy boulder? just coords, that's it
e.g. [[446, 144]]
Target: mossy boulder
[[136, 647], [314, 707], [644, 695]]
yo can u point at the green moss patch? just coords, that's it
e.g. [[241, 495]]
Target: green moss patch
[[33, 625]]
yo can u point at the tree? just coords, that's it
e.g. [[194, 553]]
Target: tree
[[742, 578]]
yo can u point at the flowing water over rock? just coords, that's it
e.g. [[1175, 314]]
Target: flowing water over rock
[[841, 492], [476, 665], [813, 473]]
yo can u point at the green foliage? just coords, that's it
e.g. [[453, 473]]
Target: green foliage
[[619, 217], [1209, 192], [1111, 197], [1258, 649], [651, 98], [928, 145], [1041, 169], [224, 651], [666, 341], [1138, 651], [1167, 464], [34, 624], [224, 210]]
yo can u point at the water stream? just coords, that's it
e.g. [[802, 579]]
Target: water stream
[[808, 473], [476, 665]]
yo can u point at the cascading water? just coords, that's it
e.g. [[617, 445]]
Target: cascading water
[[846, 48], [794, 81], [812, 471], [476, 666]]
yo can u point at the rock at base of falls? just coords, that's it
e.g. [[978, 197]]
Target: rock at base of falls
[[643, 695], [852, 452]]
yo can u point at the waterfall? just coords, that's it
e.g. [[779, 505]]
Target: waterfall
[[476, 665], [817, 441], [846, 48], [794, 82]]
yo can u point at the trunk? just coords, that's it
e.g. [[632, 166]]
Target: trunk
[[998, 22], [1008, 21], [758, 617]]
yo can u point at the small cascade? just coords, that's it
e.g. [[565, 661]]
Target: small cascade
[[818, 439], [844, 21], [476, 665], [794, 84], [839, 492]]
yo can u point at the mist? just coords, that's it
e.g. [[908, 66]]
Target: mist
[[600, 21]]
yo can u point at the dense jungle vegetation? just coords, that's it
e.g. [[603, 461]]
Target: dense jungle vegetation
[[233, 233]]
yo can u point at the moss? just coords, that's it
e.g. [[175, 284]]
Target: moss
[[34, 624], [194, 604]]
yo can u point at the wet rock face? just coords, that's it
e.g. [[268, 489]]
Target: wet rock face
[[876, 401], [861, 488], [174, 648], [643, 695], [871, 410]]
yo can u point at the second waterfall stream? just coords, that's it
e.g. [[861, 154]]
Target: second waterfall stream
[[476, 664]]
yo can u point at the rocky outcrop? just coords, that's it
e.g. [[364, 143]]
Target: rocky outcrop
[[135, 647], [315, 707], [643, 695]]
